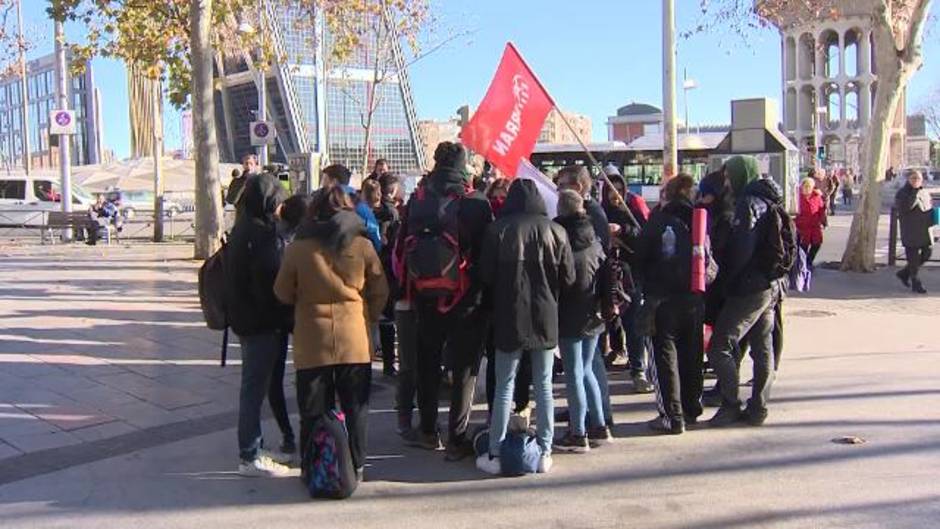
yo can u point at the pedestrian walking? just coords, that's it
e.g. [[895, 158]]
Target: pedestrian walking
[[580, 326], [260, 321], [811, 219], [443, 238], [333, 278], [526, 262], [915, 207]]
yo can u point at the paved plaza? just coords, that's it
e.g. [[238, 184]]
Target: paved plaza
[[114, 412]]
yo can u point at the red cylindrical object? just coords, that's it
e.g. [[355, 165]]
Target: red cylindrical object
[[699, 235]]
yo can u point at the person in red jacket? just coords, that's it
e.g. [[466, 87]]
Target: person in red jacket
[[811, 219]]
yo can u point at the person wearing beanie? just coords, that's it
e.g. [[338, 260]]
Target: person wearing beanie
[[462, 322]]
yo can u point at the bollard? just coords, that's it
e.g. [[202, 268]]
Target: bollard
[[893, 238]]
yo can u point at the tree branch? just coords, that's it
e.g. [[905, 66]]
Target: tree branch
[[913, 52]]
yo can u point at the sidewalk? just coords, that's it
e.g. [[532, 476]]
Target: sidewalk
[[114, 412]]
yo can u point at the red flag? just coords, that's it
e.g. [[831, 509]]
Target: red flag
[[508, 121]]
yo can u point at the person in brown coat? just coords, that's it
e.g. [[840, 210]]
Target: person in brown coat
[[333, 278]]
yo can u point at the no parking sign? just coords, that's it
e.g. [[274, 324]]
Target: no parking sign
[[62, 122], [262, 132]]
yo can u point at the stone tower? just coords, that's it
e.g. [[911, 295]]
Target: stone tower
[[829, 80]]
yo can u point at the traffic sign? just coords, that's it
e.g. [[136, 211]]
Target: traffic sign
[[62, 122], [262, 132]]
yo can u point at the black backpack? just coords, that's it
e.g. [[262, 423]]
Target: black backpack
[[614, 282], [212, 294], [778, 255], [437, 268]]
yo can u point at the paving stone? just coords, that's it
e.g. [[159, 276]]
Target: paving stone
[[141, 414], [101, 395], [71, 417], [8, 451], [65, 384], [153, 391], [16, 421], [103, 431], [41, 441]]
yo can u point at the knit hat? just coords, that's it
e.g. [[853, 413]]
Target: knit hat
[[450, 155]]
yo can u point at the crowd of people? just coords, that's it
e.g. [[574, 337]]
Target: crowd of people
[[472, 267]]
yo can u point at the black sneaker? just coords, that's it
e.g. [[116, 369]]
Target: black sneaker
[[458, 450], [711, 398], [918, 288], [755, 417], [665, 425], [418, 439], [599, 436], [575, 444], [904, 276], [726, 416], [404, 424]]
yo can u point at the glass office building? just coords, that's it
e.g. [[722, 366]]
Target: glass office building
[[41, 92], [315, 107]]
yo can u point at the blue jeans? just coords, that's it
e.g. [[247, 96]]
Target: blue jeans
[[582, 387], [600, 374], [260, 354], [506, 364]]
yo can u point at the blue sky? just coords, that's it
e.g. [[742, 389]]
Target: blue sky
[[593, 56]]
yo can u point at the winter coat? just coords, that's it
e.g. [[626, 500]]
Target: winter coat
[[914, 212], [599, 222], [811, 218], [373, 232], [526, 262], [473, 217], [253, 257], [333, 277], [743, 273], [658, 279], [577, 306]]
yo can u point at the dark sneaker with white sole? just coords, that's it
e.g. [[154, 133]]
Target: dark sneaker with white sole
[[572, 443], [726, 416]]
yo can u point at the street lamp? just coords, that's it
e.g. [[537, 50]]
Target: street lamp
[[687, 84]]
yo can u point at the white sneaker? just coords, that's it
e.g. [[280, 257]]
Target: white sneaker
[[488, 464], [545, 464], [262, 467], [278, 456]]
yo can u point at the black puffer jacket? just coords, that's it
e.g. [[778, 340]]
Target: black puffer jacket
[[526, 262], [253, 259], [577, 307]]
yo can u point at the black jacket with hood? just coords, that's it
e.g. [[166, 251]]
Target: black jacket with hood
[[577, 307], [915, 220], [252, 260], [526, 262], [473, 216], [743, 272]]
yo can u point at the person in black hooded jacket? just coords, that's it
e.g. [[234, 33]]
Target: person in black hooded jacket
[[580, 326], [253, 257], [526, 262], [463, 327], [664, 266]]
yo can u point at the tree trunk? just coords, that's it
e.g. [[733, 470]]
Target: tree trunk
[[367, 144], [893, 74], [208, 225]]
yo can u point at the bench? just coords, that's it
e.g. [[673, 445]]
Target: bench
[[77, 220]]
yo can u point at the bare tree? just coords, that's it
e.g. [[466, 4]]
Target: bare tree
[[930, 108], [897, 28]]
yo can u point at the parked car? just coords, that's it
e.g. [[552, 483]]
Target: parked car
[[25, 199], [130, 203]]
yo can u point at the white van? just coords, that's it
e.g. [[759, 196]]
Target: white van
[[25, 199]]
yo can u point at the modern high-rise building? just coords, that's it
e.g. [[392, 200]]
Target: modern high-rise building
[[830, 80], [41, 96], [318, 107]]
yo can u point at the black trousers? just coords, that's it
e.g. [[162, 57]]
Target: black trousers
[[464, 335], [387, 339], [276, 393], [678, 357], [521, 392], [317, 391], [916, 257]]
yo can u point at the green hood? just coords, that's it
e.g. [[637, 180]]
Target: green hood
[[742, 170]]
